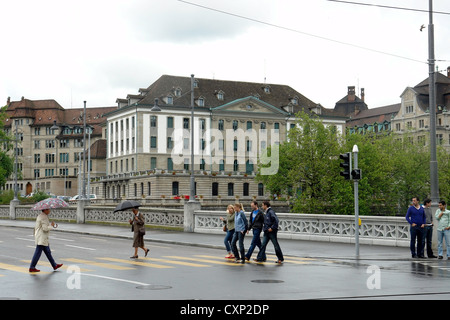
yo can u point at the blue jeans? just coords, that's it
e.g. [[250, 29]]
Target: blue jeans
[[416, 233], [238, 235], [37, 255], [440, 235], [272, 236], [256, 242], [227, 240], [428, 237]]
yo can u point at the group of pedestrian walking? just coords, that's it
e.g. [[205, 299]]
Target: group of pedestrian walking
[[420, 218], [237, 226]]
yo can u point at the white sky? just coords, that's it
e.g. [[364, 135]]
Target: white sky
[[100, 50]]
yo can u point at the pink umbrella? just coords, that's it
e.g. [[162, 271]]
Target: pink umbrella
[[50, 203]]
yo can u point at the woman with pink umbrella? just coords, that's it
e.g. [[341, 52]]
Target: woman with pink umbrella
[[42, 229]]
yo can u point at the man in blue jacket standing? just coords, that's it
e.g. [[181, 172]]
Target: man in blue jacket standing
[[417, 219], [270, 229]]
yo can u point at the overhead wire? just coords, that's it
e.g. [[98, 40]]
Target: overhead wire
[[302, 32], [387, 7]]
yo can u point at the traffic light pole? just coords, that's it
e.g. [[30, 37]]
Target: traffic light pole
[[355, 182]]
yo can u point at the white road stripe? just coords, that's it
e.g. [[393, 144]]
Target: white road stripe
[[25, 239], [115, 279], [68, 245]]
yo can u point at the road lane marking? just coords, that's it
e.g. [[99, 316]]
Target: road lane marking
[[47, 264], [115, 279], [98, 264], [250, 261], [84, 248], [11, 267], [229, 263], [25, 239], [137, 263], [182, 263]]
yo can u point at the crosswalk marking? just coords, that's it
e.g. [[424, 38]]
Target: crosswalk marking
[[228, 263], [182, 263], [11, 267], [163, 262], [47, 264], [137, 263], [98, 264], [269, 258]]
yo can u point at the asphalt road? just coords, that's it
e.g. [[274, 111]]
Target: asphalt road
[[99, 268]]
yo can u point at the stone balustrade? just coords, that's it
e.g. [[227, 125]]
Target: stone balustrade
[[376, 230]]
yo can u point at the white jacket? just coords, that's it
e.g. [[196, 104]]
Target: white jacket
[[41, 230]]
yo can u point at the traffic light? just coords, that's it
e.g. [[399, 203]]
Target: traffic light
[[346, 164], [356, 174]]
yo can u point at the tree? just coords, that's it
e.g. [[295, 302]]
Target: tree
[[394, 169], [6, 162]]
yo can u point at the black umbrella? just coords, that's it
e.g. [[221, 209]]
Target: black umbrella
[[128, 204]]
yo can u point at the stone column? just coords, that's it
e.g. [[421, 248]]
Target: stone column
[[189, 208], [12, 209]]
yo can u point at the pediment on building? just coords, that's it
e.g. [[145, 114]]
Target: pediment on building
[[249, 105]]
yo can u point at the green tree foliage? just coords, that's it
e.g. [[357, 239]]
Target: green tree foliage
[[393, 170], [6, 162]]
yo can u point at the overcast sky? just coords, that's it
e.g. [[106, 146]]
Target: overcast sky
[[100, 50]]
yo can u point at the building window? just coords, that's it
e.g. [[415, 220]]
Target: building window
[[246, 189], [220, 124], [153, 121], [235, 125], [153, 142], [170, 122], [230, 189], [175, 190], [248, 167], [169, 164], [249, 125], [260, 190], [235, 166], [215, 189], [185, 123], [153, 163]]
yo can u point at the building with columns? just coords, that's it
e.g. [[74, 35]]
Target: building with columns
[[149, 152]]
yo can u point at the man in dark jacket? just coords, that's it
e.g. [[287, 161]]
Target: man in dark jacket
[[256, 223], [270, 229]]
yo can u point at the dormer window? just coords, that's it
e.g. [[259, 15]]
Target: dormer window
[[169, 100], [294, 101], [201, 102], [195, 83], [177, 92], [220, 95], [267, 89]]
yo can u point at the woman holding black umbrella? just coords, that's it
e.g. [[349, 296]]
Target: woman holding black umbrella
[[138, 227]]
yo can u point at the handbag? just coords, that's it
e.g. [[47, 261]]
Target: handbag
[[142, 231]]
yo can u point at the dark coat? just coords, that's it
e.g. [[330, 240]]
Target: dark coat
[[270, 220], [258, 222]]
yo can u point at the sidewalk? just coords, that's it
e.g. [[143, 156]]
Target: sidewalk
[[298, 248]]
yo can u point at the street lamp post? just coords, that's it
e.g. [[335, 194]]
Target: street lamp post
[[434, 183], [84, 153], [192, 178]]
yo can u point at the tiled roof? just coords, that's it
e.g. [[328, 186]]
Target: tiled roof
[[209, 89], [45, 112]]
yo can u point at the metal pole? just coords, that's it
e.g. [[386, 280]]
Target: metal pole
[[434, 184], [84, 153], [15, 164], [89, 167], [356, 193], [192, 180]]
